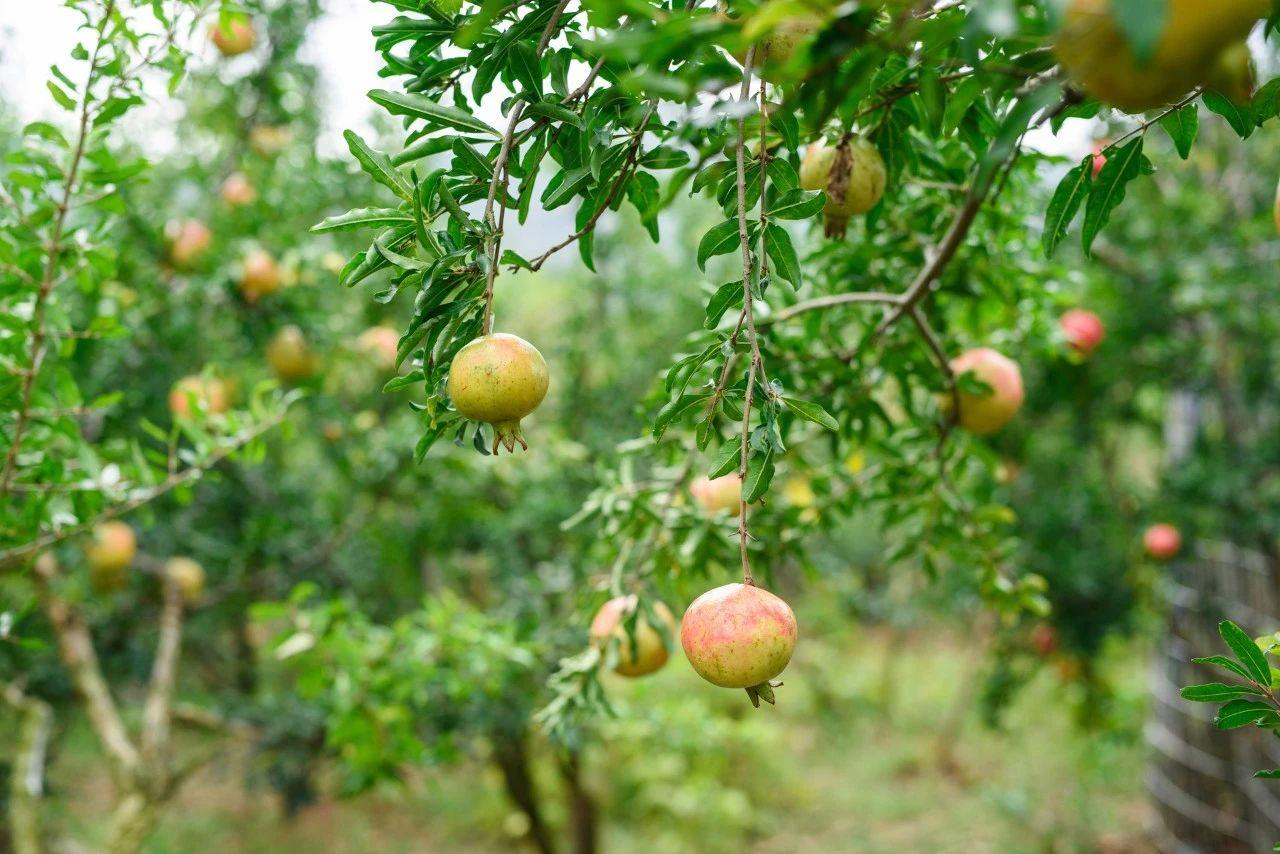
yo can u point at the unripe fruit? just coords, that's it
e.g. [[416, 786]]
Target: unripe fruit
[[236, 190], [290, 358], [1095, 52], [259, 275], [721, 495], [1162, 541], [649, 652], [209, 392], [853, 175], [1044, 639], [188, 575], [188, 241], [776, 49], [380, 343], [499, 379], [1082, 329], [235, 37], [739, 636], [984, 414], [109, 554], [331, 430]]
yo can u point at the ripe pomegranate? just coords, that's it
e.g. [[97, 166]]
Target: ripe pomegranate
[[721, 495], [379, 343], [1083, 330], [649, 650], [188, 242], [234, 36], [499, 379], [259, 275], [986, 414], [1095, 52], [739, 636], [188, 575], [109, 554], [209, 392], [236, 190], [1162, 541], [1044, 640], [853, 175], [290, 358]]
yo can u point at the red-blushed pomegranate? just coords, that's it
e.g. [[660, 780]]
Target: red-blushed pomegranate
[[499, 379], [984, 414], [1044, 639], [236, 190], [639, 654], [209, 392], [290, 357], [719, 495], [109, 554], [379, 343], [739, 636], [189, 240], [233, 36], [853, 175], [259, 275], [1082, 329], [1162, 541], [188, 574]]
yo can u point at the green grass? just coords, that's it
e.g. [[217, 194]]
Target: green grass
[[836, 767]]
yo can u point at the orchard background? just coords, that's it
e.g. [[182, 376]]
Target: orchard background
[[945, 328]]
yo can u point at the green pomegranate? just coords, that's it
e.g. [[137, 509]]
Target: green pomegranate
[[499, 379], [853, 175]]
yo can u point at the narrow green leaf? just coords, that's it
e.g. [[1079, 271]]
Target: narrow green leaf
[[798, 204], [1239, 116], [1224, 662], [1240, 713], [422, 107], [810, 411], [759, 476], [363, 218], [1215, 692], [1066, 201], [378, 165], [1247, 652], [728, 458], [727, 296], [1182, 125], [522, 59], [720, 240], [555, 112], [782, 253], [1108, 190]]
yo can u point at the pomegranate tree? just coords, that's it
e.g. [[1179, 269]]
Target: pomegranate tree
[[499, 379], [853, 175], [739, 636], [643, 652], [1162, 541], [1082, 329], [985, 413], [718, 495]]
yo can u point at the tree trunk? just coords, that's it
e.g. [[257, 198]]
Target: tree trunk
[[582, 808], [131, 823], [26, 781], [511, 755]]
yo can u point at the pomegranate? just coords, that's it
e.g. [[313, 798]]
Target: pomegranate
[[1093, 49], [290, 358], [499, 379], [648, 652], [234, 35], [775, 50], [269, 140], [739, 636], [380, 343], [721, 495], [1044, 640], [1162, 541], [188, 575], [236, 190], [259, 275], [985, 414], [853, 175], [109, 554], [209, 392], [1083, 330], [188, 242]]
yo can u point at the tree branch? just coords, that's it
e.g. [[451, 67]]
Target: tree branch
[[26, 777], [156, 710]]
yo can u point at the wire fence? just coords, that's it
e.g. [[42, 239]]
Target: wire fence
[[1199, 777]]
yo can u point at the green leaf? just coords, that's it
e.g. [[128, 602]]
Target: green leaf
[[362, 218], [555, 112], [726, 296], [1247, 652], [1071, 192], [1239, 116], [664, 157], [397, 383], [1182, 125], [728, 458], [1273, 774], [720, 240], [1108, 189], [1240, 713], [525, 67], [1215, 692], [378, 165], [1224, 662], [782, 253], [759, 476], [676, 408], [798, 204], [570, 182], [422, 107], [810, 411]]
